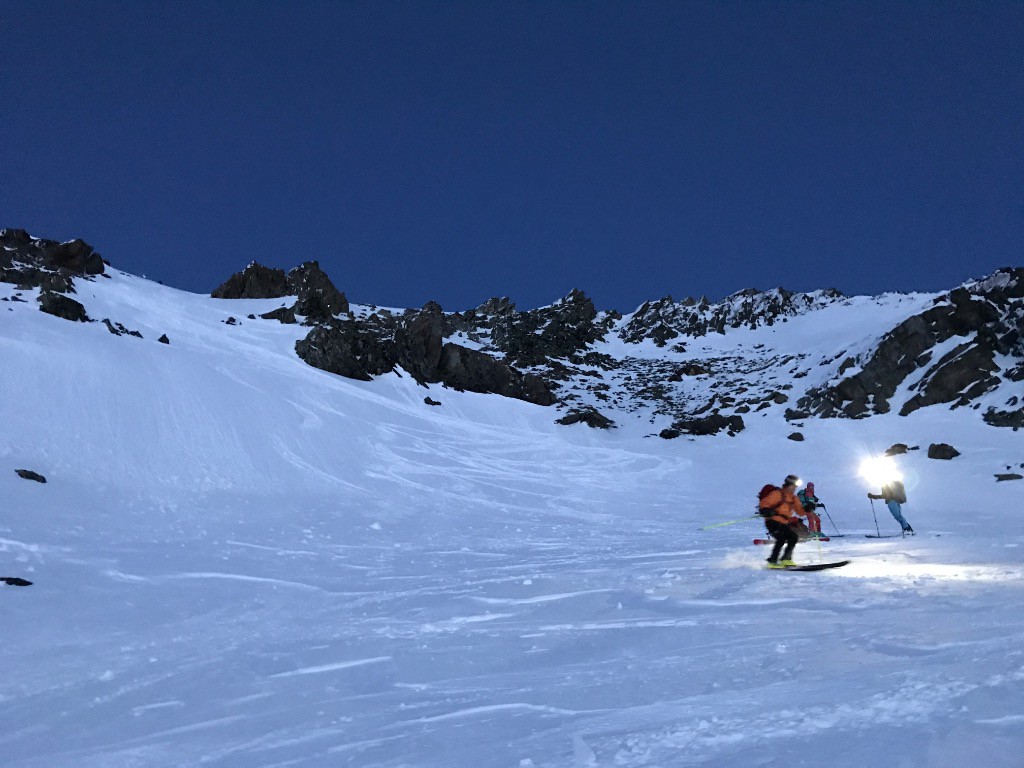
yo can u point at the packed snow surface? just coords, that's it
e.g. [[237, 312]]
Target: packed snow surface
[[242, 561]]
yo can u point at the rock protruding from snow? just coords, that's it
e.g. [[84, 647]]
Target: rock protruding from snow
[[31, 262], [362, 349], [666, 319], [943, 451], [534, 337], [28, 474], [254, 282], [948, 354], [317, 299], [59, 305], [589, 416]]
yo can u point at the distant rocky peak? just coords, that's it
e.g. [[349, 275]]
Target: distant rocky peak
[[316, 297], [1006, 282], [34, 262], [254, 282], [664, 319]]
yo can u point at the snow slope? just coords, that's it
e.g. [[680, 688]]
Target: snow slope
[[244, 561]]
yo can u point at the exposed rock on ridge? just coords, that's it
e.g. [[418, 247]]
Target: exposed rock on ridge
[[316, 297], [32, 262], [979, 323]]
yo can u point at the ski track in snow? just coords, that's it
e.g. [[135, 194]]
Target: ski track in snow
[[311, 571]]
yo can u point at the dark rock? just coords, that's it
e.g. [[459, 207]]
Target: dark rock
[[710, 425], [75, 256], [284, 315], [1009, 476], [61, 306], [317, 298], [991, 326], [164, 340], [28, 474], [689, 369], [430, 401], [966, 369], [531, 338], [420, 340], [119, 330], [666, 319], [349, 349], [469, 369], [669, 434], [797, 436], [896, 449], [46, 264], [1012, 419], [589, 416], [231, 321], [254, 282], [942, 451]]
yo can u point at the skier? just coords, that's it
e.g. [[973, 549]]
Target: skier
[[894, 494], [810, 502], [780, 507]]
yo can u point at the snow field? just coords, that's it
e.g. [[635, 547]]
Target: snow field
[[242, 561]]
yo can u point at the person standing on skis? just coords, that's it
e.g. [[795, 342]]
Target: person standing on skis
[[781, 509], [810, 502], [894, 495]]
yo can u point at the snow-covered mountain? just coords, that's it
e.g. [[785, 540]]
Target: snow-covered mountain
[[283, 529]]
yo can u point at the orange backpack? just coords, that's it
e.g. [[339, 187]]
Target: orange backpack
[[762, 495]]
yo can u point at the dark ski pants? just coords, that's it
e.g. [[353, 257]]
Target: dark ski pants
[[784, 535]]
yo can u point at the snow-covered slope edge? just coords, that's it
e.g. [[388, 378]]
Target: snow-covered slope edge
[[240, 560]]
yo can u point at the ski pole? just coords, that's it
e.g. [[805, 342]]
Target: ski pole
[[874, 516], [727, 522], [831, 520]]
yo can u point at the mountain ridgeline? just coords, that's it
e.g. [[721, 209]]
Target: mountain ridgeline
[[693, 366]]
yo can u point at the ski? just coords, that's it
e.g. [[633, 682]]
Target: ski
[[772, 541], [14, 581], [883, 536], [815, 567]]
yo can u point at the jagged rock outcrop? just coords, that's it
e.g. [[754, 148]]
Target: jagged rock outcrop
[[254, 282], [381, 343], [59, 305], [534, 337], [317, 299], [989, 318], [665, 319], [31, 262], [589, 416], [474, 371], [348, 348]]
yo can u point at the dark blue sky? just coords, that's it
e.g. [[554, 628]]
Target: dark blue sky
[[461, 150]]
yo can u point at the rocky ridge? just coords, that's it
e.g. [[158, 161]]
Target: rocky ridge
[[667, 362]]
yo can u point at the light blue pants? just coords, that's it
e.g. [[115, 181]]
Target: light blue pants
[[894, 507]]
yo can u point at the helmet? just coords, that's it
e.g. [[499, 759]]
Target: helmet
[[792, 480], [810, 488]]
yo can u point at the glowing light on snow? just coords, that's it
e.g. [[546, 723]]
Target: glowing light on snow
[[879, 470]]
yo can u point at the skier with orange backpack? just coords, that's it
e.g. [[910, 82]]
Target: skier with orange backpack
[[780, 509]]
